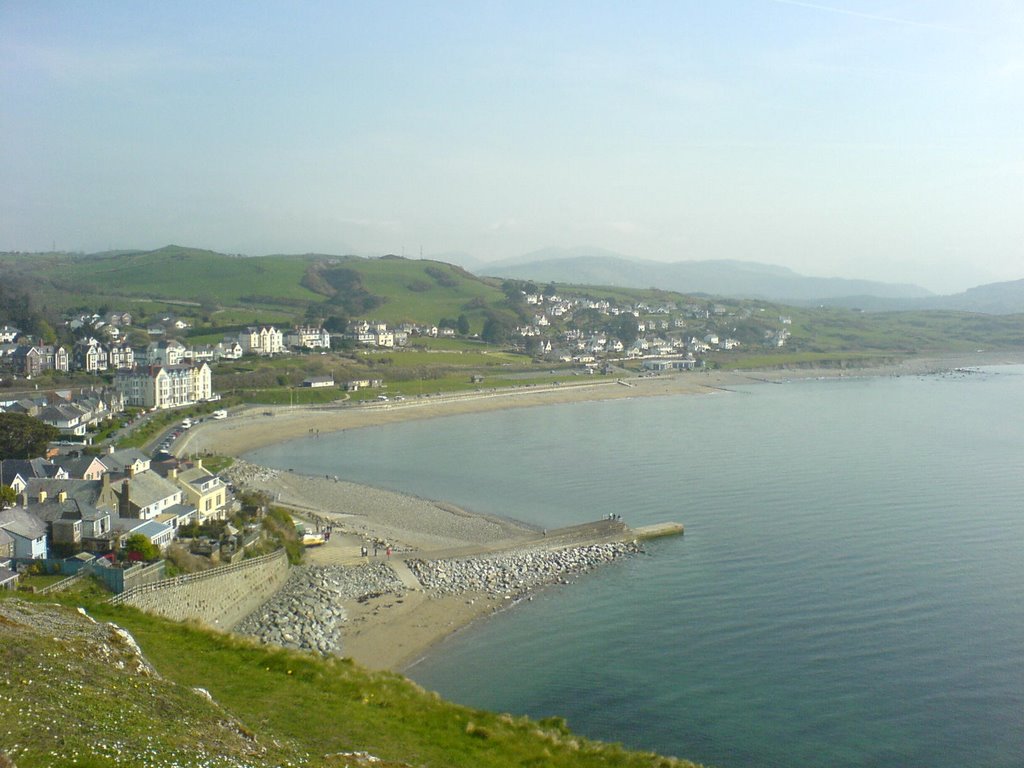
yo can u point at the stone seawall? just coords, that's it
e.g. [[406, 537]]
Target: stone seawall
[[219, 598]]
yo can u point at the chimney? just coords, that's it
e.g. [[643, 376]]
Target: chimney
[[131, 470], [110, 448], [199, 463], [124, 505], [173, 473], [62, 496], [42, 496]]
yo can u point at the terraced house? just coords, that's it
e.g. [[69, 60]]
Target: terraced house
[[203, 490], [31, 360], [166, 386], [90, 355], [264, 340]]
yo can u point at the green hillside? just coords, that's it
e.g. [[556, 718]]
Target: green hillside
[[391, 289], [219, 293], [180, 273], [74, 693], [395, 290]]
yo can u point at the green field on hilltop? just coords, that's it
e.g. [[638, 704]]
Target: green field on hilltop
[[421, 291], [188, 274]]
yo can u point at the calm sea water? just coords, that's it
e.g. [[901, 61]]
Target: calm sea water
[[849, 591]]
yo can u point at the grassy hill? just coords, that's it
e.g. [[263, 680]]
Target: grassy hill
[[76, 693], [391, 289], [221, 293]]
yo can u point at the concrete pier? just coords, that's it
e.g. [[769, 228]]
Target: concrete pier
[[658, 530]]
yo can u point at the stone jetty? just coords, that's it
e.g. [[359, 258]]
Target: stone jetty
[[512, 574], [307, 612]]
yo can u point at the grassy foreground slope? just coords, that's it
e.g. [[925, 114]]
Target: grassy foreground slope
[[73, 693]]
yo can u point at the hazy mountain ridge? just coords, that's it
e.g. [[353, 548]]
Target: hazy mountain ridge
[[738, 279], [581, 266], [750, 280]]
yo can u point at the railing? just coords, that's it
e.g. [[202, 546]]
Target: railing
[[64, 583], [191, 578]]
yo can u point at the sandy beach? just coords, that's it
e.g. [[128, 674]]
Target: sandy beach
[[393, 630]]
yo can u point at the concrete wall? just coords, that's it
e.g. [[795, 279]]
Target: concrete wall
[[219, 598]]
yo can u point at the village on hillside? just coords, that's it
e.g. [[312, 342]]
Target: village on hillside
[[105, 509]]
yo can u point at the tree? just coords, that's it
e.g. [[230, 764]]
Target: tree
[[495, 331], [46, 332], [8, 498], [626, 328], [142, 546], [24, 437], [463, 325], [336, 323]]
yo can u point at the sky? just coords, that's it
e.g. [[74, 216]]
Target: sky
[[854, 138]]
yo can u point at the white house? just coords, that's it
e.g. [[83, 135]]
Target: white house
[[308, 337], [28, 532], [166, 386], [262, 340]]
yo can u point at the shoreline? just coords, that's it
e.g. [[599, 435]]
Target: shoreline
[[392, 631], [259, 426]]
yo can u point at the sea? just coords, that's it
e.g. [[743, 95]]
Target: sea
[[849, 590]]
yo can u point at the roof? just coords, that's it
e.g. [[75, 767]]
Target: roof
[[148, 488], [151, 529], [76, 466], [116, 461], [22, 524], [176, 512], [196, 477], [27, 468], [84, 498]]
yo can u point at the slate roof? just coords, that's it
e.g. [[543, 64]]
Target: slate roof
[[7, 576], [75, 466], [84, 500], [27, 469], [148, 488], [197, 477], [118, 460], [22, 524]]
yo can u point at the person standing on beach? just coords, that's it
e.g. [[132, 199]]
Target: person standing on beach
[[389, 553]]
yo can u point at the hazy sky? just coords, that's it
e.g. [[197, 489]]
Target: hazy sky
[[852, 138]]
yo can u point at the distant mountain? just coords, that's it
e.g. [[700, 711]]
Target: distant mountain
[[737, 279], [991, 299]]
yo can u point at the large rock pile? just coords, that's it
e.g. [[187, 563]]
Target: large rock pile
[[307, 614], [514, 573]]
